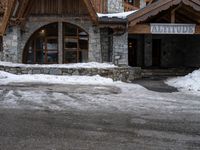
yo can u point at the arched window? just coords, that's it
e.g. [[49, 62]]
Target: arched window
[[43, 46], [75, 44]]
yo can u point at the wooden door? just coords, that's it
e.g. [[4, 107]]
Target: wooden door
[[132, 52], [156, 52]]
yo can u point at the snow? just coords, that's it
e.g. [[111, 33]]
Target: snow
[[122, 15], [190, 82], [7, 78], [93, 93], [76, 65], [89, 94], [113, 97]]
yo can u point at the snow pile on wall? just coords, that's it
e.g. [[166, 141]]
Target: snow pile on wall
[[122, 15], [190, 82], [7, 78], [76, 65]]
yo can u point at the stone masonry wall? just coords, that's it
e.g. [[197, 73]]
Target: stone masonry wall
[[11, 45], [120, 49], [106, 45], [15, 40], [125, 74], [115, 6]]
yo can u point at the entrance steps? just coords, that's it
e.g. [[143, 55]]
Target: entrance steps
[[166, 72]]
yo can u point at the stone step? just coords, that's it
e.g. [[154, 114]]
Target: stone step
[[165, 72]]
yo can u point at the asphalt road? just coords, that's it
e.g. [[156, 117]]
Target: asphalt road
[[24, 129]]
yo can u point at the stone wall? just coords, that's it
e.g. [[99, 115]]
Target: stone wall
[[120, 49], [125, 74], [15, 40], [142, 3], [106, 45], [11, 45], [115, 6]]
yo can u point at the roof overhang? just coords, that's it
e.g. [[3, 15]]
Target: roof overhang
[[91, 11], [6, 16], [156, 7]]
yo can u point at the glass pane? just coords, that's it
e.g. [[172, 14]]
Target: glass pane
[[52, 56], [49, 30], [83, 44], [82, 33], [52, 44], [70, 57], [40, 44], [71, 43], [30, 55], [83, 56], [70, 30], [40, 57]]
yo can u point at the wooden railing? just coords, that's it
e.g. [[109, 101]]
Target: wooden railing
[[129, 7]]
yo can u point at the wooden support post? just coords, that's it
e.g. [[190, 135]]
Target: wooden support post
[[60, 42], [139, 29], [173, 16], [8, 12]]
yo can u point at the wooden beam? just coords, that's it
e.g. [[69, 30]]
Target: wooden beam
[[157, 7], [139, 29], [91, 10], [197, 31], [7, 14], [173, 16], [146, 29]]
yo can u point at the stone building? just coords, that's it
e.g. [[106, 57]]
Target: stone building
[[62, 31], [161, 33]]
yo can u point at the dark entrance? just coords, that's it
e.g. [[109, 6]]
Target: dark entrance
[[132, 52], [156, 52]]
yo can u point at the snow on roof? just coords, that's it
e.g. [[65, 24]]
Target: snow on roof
[[76, 65], [122, 15]]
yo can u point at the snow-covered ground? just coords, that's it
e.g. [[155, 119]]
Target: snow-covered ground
[[7, 78], [190, 82], [88, 94], [76, 65], [122, 15]]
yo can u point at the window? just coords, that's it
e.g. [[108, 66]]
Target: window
[[75, 44], [1, 43], [43, 46]]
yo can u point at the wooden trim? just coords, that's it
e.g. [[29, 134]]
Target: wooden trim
[[197, 29], [139, 29], [92, 11], [146, 29], [156, 7], [8, 12]]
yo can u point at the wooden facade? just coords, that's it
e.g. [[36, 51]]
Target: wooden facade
[[100, 5], [17, 11], [168, 11]]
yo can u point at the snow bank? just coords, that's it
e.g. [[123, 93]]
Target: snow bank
[[190, 82], [6, 78], [122, 15], [76, 65]]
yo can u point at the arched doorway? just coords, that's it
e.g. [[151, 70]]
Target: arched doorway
[[45, 45]]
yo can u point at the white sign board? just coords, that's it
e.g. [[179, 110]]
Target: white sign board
[[157, 28]]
